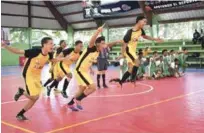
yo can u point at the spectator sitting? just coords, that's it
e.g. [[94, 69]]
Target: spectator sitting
[[174, 68], [196, 36], [146, 51], [166, 63], [159, 68]]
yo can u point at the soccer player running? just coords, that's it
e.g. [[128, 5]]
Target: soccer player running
[[51, 79], [83, 65], [131, 40], [36, 60], [62, 68]]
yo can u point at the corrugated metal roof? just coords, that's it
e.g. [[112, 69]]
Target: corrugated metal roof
[[181, 15], [70, 8], [38, 2], [84, 25]]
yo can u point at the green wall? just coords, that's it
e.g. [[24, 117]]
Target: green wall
[[9, 59]]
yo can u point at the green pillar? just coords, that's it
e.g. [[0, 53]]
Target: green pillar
[[29, 37], [70, 32], [105, 33], [155, 26]]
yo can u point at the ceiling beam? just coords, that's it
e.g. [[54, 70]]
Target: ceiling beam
[[58, 16], [17, 3], [72, 13], [68, 3], [121, 25], [148, 14], [180, 20], [20, 15], [29, 14], [82, 21], [181, 9]]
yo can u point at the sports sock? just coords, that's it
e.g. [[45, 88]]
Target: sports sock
[[104, 79], [71, 102], [82, 96], [21, 112], [66, 83], [134, 73], [125, 76], [47, 82], [54, 83]]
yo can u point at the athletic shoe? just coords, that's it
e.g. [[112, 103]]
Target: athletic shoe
[[48, 91], [64, 94], [78, 104], [105, 86], [19, 93], [21, 118], [99, 86], [72, 108]]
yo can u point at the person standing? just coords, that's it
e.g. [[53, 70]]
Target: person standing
[[102, 62]]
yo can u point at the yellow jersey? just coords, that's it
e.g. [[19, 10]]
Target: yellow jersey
[[35, 62], [131, 38], [87, 58]]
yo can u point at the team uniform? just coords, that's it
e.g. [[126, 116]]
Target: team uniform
[[58, 51], [102, 60], [32, 70], [62, 68], [131, 38], [85, 61]]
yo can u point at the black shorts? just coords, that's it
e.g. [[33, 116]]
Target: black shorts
[[102, 64]]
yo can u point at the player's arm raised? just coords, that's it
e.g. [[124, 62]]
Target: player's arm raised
[[93, 38], [111, 44], [12, 49]]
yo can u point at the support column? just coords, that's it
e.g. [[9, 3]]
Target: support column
[[105, 33], [29, 37], [70, 32]]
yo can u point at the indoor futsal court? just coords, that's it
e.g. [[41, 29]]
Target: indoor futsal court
[[102, 66]]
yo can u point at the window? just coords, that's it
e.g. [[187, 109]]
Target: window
[[56, 35], [84, 36]]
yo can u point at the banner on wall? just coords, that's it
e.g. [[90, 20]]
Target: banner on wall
[[168, 4], [108, 10]]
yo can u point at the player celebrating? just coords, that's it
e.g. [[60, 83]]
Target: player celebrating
[[36, 59], [84, 63], [62, 69], [131, 40]]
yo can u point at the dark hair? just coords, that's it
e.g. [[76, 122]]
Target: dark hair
[[99, 39], [61, 41], [171, 51], [78, 42], [139, 18], [184, 49], [45, 40], [140, 53], [164, 50], [155, 52], [176, 60], [140, 50]]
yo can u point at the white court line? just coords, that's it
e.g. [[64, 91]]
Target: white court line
[[132, 94], [121, 95]]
